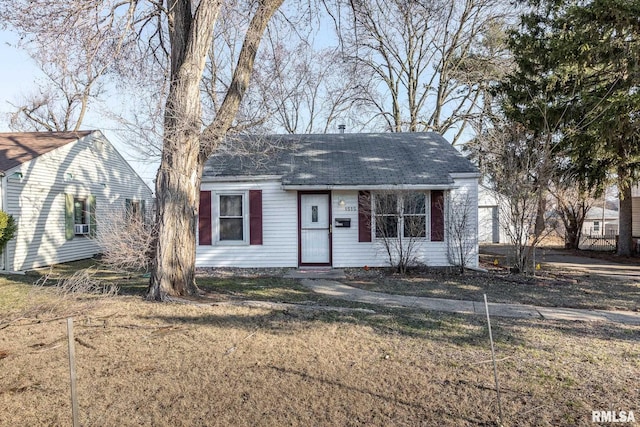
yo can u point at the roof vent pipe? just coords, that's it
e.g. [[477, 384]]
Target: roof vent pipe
[[341, 128]]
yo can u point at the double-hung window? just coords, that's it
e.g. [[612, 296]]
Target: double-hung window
[[231, 218], [80, 217], [397, 213], [387, 215], [414, 215]]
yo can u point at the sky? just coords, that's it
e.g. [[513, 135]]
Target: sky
[[18, 77]]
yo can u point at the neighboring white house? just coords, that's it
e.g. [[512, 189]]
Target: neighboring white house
[[489, 228], [58, 186], [597, 223], [309, 200], [635, 206]]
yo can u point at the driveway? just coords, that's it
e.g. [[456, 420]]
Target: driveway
[[567, 260]]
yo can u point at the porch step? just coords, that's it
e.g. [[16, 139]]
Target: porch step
[[315, 273]]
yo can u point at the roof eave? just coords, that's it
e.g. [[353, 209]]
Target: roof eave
[[240, 178], [463, 175], [374, 187]]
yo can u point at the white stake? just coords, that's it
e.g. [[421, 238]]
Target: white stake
[[72, 372], [493, 357]]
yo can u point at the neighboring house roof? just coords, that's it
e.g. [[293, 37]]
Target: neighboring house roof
[[342, 159], [17, 148], [595, 214]]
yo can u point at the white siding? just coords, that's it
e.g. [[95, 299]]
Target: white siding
[[348, 252], [467, 191], [635, 217], [37, 202], [280, 232]]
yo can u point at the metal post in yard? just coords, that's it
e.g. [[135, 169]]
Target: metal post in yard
[[72, 372], [493, 357]]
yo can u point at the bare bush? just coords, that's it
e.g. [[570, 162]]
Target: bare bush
[[80, 282], [126, 240], [462, 236], [400, 224]]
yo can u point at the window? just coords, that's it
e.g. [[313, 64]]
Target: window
[[231, 217], [402, 211], [415, 215], [386, 214], [596, 226], [80, 216], [81, 225], [134, 210]]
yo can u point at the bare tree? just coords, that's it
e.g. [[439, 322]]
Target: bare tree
[[461, 230], [571, 204], [74, 63], [518, 167], [178, 34], [303, 90], [427, 59]]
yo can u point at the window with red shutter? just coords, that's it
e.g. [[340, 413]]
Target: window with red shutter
[[437, 216], [255, 217], [204, 219], [364, 216]]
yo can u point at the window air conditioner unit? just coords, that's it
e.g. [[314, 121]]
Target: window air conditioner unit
[[82, 228]]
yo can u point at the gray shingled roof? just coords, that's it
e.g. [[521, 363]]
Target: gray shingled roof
[[342, 159]]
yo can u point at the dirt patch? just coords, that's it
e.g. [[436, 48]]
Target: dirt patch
[[142, 363]]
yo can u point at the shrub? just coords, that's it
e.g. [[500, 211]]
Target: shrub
[[7, 228], [126, 242]]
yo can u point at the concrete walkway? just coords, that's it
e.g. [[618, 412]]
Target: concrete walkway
[[341, 291]]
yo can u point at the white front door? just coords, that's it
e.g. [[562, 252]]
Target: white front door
[[314, 229]]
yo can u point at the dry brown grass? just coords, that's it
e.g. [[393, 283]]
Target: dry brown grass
[[550, 288], [143, 363]]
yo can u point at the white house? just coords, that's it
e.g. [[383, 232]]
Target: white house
[[310, 200], [58, 186], [490, 208], [600, 222], [635, 206]]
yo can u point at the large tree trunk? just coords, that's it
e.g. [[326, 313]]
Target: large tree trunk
[[540, 224], [177, 189], [572, 230], [186, 146], [180, 172], [625, 241]]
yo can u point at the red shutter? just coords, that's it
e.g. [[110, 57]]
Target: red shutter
[[437, 216], [255, 217], [364, 216], [204, 218]]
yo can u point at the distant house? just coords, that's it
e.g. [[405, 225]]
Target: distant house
[[490, 229], [600, 222], [313, 200], [58, 186], [635, 206]]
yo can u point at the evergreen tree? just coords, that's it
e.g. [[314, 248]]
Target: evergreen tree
[[578, 86]]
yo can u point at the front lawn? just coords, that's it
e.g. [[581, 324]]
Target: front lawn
[[552, 288], [211, 363]]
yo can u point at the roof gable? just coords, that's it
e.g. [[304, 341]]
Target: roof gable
[[17, 148], [343, 159]]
